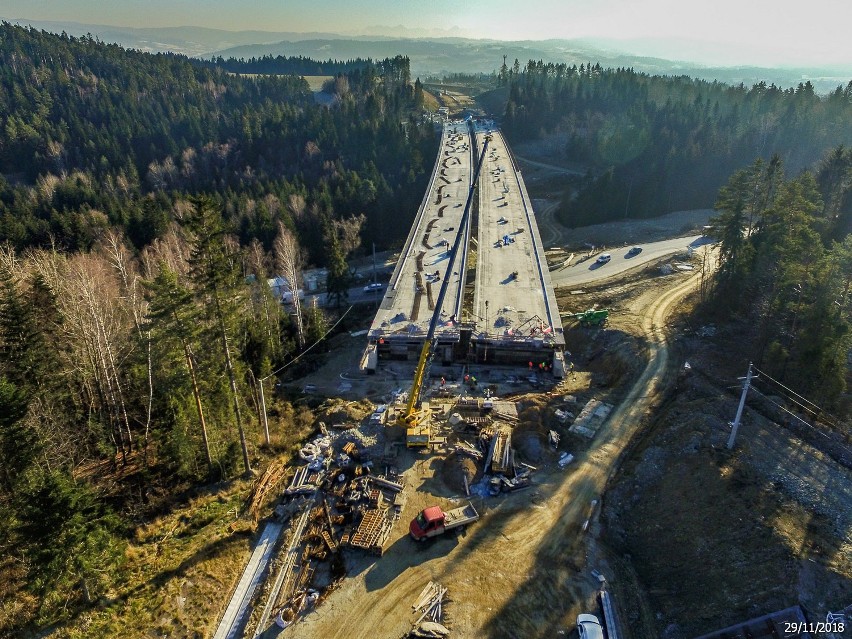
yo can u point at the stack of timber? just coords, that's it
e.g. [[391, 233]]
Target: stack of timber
[[372, 532], [501, 452], [430, 602], [463, 448], [304, 482]]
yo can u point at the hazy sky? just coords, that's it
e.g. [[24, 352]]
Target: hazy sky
[[737, 31]]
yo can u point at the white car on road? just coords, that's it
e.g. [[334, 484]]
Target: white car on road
[[589, 627], [375, 286], [603, 258]]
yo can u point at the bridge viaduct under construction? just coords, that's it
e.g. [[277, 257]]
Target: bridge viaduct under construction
[[499, 306]]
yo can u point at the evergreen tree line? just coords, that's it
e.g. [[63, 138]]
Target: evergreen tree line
[[145, 364], [786, 267], [93, 137], [656, 144], [289, 65]]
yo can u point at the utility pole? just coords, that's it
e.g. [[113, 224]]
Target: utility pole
[[263, 411], [736, 423]]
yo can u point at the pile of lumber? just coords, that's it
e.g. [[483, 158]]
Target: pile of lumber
[[500, 452], [302, 482], [430, 602], [265, 484], [372, 532], [463, 448], [387, 483]]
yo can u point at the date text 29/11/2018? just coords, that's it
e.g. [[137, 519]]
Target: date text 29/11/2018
[[816, 627]]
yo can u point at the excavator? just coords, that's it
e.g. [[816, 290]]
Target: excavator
[[592, 317], [415, 418]]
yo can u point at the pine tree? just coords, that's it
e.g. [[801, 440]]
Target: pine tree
[[214, 269], [19, 445], [23, 352], [419, 98], [339, 277], [173, 316]]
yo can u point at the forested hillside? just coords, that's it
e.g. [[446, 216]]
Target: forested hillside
[[658, 144], [93, 136], [144, 201], [786, 266], [290, 65]]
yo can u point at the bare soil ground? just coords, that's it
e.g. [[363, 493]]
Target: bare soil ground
[[691, 537], [713, 537], [521, 571]]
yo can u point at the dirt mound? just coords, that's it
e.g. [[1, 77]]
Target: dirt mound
[[336, 411], [530, 417], [530, 445], [455, 468]]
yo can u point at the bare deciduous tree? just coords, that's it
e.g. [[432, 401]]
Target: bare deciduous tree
[[349, 232], [126, 267], [288, 260]]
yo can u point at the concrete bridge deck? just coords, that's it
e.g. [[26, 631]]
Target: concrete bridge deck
[[511, 315], [514, 303], [408, 304]]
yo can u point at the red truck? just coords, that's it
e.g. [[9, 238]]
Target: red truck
[[433, 521]]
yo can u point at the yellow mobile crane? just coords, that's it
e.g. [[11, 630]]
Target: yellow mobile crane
[[415, 419]]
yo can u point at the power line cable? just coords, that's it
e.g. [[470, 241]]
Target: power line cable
[[305, 352], [820, 413], [796, 417], [790, 390]]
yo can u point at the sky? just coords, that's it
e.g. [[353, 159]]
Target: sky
[[729, 32]]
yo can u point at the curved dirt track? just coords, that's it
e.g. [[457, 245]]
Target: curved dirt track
[[514, 573]]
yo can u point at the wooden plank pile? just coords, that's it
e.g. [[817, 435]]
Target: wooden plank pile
[[430, 602], [304, 482], [502, 452], [267, 482], [372, 531], [463, 448]]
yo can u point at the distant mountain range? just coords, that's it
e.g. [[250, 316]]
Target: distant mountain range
[[434, 55]]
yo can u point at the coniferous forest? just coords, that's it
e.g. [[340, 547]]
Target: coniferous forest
[[776, 164], [656, 144], [144, 201]]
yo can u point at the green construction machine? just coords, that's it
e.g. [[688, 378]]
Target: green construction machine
[[592, 317]]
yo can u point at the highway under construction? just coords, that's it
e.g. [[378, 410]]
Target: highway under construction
[[484, 247]]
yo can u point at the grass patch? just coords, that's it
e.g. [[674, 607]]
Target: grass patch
[[180, 571], [315, 82], [181, 565], [430, 101]]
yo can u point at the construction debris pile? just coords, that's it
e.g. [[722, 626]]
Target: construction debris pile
[[430, 605], [343, 505], [594, 414], [492, 423]]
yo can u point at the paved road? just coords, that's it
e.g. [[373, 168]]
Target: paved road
[[589, 270]]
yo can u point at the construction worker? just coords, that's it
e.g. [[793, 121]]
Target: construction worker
[[571, 368]]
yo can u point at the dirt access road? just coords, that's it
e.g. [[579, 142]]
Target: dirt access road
[[520, 571]]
